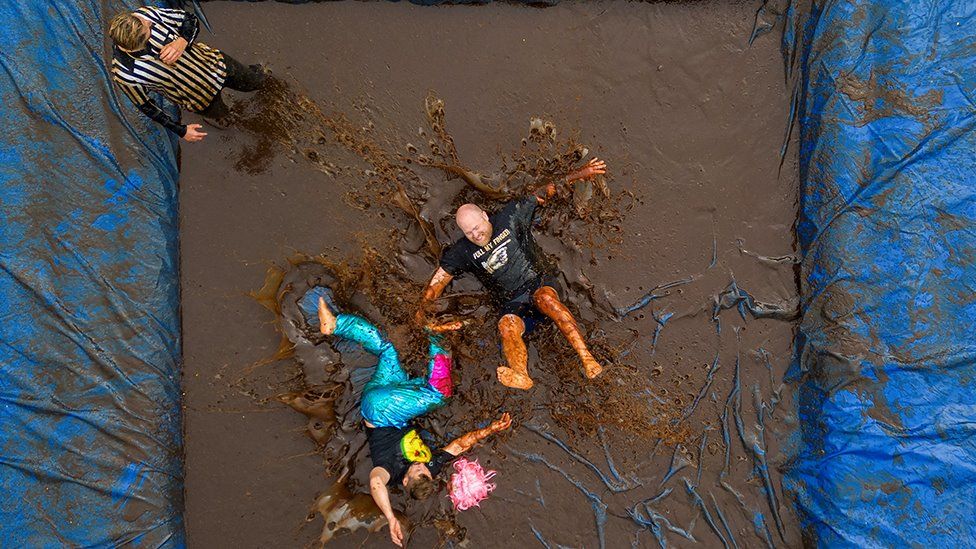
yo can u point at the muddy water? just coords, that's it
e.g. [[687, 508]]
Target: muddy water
[[382, 106]]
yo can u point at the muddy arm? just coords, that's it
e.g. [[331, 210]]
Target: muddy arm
[[435, 288], [592, 168], [466, 441], [378, 478]]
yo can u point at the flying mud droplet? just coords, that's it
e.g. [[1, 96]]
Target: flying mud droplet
[[542, 129], [582, 195]]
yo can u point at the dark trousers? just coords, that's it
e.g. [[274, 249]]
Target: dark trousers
[[239, 78]]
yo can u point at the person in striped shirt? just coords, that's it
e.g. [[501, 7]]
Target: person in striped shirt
[[156, 51]]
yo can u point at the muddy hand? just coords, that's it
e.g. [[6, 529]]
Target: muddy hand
[[591, 368], [501, 423], [327, 320], [592, 168]]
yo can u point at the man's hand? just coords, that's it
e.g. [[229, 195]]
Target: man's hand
[[396, 534], [501, 423], [193, 133], [592, 168], [435, 288], [171, 52], [464, 442]]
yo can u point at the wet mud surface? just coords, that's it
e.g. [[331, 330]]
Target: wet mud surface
[[679, 264]]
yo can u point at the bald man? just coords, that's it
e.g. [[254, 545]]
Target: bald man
[[501, 252]]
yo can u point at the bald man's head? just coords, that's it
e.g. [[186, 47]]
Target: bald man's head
[[473, 221]]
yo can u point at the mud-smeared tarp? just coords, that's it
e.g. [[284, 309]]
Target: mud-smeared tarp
[[886, 110], [90, 439]]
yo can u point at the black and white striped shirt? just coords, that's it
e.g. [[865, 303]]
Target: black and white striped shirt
[[192, 82]]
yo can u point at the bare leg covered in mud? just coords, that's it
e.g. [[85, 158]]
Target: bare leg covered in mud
[[512, 328], [548, 303], [516, 374]]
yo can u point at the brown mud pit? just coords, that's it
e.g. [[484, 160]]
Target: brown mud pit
[[346, 172]]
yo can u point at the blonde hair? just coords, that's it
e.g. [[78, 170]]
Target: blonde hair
[[127, 31]]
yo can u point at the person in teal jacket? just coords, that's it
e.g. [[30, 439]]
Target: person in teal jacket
[[391, 401]]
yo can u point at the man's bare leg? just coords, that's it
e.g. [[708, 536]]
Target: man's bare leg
[[516, 374], [547, 301]]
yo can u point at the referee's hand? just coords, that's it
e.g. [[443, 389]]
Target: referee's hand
[[193, 133], [171, 52]]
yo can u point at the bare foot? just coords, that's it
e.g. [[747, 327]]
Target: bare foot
[[515, 380], [591, 368], [327, 320]]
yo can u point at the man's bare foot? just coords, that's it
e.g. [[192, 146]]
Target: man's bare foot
[[591, 368], [327, 320], [515, 380]]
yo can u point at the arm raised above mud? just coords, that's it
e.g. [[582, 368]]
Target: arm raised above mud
[[592, 168], [435, 288], [466, 441]]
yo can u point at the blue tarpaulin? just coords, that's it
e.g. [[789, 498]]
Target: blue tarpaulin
[[886, 107], [90, 433]]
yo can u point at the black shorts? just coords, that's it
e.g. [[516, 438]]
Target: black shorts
[[523, 305]]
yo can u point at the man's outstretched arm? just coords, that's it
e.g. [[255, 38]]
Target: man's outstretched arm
[[438, 282], [149, 108], [434, 289], [466, 441], [378, 478], [592, 168]]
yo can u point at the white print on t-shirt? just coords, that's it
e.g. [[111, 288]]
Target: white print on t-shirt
[[497, 259], [494, 242]]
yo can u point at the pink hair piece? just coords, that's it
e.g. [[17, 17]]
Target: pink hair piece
[[469, 484]]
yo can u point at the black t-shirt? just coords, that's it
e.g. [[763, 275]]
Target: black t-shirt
[[509, 265], [397, 449]]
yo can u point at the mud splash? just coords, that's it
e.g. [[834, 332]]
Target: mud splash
[[345, 511]]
